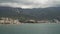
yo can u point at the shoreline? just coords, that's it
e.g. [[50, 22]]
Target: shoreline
[[36, 23]]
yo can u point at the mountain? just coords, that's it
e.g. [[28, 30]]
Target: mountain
[[43, 13], [35, 13], [8, 11]]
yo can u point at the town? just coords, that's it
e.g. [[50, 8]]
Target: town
[[17, 21]]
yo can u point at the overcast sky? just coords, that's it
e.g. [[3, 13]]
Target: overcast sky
[[30, 3]]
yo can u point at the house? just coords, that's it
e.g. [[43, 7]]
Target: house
[[8, 21], [43, 21]]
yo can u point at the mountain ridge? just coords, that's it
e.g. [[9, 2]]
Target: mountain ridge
[[36, 13]]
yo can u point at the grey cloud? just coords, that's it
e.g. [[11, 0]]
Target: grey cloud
[[1, 1], [31, 3]]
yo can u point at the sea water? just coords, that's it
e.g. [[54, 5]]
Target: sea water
[[30, 29]]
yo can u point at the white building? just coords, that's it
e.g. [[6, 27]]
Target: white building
[[9, 21]]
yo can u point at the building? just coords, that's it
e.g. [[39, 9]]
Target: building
[[8, 21], [43, 21]]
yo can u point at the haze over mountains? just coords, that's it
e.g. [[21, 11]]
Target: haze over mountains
[[35, 13]]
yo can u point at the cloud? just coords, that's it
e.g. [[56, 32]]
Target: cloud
[[54, 2], [30, 3]]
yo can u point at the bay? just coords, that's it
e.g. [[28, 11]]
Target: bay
[[30, 29]]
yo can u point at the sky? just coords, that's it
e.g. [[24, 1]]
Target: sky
[[30, 3]]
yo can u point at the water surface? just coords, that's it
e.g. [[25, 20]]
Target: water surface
[[30, 29]]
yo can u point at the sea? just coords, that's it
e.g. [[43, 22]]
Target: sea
[[29, 28]]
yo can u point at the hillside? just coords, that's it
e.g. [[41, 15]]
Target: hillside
[[35, 13]]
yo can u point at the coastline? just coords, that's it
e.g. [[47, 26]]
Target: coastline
[[35, 23]]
